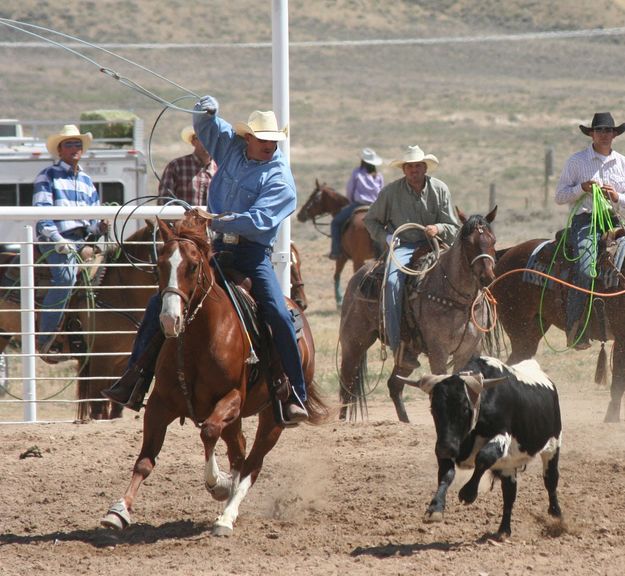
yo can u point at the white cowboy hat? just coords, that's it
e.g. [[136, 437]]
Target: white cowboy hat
[[187, 134], [369, 156], [69, 132], [263, 125], [415, 154]]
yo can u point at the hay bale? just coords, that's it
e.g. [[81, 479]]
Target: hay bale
[[117, 124]]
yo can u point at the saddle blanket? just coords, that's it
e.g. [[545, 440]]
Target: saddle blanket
[[608, 275]]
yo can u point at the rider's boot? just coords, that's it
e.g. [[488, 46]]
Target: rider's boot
[[133, 385]]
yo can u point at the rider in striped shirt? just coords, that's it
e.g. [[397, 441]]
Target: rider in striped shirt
[[63, 184]]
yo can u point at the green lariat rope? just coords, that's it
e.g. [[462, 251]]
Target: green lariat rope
[[600, 222]]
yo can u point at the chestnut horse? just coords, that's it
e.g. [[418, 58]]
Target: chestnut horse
[[441, 306], [527, 312], [203, 374], [113, 305], [356, 244]]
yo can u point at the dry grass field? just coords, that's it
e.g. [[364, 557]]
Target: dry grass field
[[342, 498]]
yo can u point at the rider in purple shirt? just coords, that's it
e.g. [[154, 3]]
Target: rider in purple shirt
[[362, 189]]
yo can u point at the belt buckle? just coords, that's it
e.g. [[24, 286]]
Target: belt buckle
[[230, 238]]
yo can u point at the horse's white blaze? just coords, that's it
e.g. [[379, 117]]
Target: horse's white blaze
[[171, 308], [231, 512]]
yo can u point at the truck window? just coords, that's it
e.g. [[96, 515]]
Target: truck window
[[26, 194], [110, 192], [8, 194]]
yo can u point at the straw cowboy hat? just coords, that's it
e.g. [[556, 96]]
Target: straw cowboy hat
[[369, 156], [263, 125], [187, 134], [69, 132], [602, 120], [415, 154]]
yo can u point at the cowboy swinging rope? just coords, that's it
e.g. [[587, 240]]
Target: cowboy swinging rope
[[16, 25]]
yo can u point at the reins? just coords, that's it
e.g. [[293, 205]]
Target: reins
[[189, 316]]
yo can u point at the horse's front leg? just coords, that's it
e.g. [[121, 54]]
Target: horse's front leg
[[157, 418], [226, 412], [396, 391], [267, 435]]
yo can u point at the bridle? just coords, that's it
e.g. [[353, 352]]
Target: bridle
[[202, 278], [315, 199], [189, 314]]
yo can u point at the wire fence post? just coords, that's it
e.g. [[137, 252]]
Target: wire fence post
[[27, 298]]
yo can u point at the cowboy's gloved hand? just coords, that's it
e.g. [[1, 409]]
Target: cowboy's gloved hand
[[227, 216], [64, 247], [208, 104]]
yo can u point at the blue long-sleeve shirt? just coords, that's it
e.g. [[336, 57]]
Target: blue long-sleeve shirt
[[260, 195], [58, 185]]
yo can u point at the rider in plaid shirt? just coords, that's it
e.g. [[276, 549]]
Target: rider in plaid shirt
[[188, 178]]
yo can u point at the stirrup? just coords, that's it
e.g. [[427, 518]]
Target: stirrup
[[118, 391]]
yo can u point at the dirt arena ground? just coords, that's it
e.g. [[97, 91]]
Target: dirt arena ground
[[344, 498]]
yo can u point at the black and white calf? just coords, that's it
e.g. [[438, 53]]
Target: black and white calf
[[494, 417]]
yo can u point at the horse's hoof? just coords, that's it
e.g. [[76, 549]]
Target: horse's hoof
[[613, 416], [433, 517], [117, 517], [222, 530]]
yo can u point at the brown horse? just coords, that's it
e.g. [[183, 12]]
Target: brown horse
[[356, 244], [100, 309], [203, 373], [527, 312], [441, 306]]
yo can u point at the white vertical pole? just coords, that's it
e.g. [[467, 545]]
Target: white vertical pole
[[280, 73], [27, 297]]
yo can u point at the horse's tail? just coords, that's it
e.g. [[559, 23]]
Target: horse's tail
[[84, 392], [354, 394], [318, 410], [601, 372]]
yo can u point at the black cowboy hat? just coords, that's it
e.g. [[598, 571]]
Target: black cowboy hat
[[602, 120]]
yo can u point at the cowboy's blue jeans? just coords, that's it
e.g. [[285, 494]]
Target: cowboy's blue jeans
[[339, 220], [252, 260], [584, 246], [393, 293], [63, 271]]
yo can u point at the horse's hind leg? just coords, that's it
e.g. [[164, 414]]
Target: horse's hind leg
[[338, 269], [613, 413], [267, 434], [155, 423]]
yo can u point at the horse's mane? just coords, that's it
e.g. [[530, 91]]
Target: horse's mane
[[194, 230], [472, 223]]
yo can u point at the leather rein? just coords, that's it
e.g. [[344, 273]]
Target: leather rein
[[189, 315]]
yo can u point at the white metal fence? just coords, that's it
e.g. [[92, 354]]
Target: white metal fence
[[22, 364]]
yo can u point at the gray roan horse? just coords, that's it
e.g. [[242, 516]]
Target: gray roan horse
[[441, 306]]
